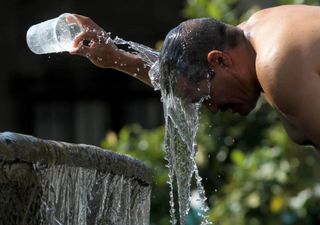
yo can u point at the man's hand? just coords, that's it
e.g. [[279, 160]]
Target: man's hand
[[95, 44]]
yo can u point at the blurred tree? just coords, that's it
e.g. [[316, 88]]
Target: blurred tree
[[253, 174]]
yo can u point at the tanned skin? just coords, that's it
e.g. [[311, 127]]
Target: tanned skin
[[279, 57]]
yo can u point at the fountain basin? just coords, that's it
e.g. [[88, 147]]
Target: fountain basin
[[49, 182]]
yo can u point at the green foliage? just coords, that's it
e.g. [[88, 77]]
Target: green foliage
[[224, 10], [219, 9], [252, 173], [269, 182]]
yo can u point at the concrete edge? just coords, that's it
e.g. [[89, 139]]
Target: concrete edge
[[14, 146]]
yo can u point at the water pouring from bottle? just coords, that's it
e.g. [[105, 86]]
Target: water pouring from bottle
[[54, 35], [181, 117]]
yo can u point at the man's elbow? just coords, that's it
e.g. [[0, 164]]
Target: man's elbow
[[309, 143]]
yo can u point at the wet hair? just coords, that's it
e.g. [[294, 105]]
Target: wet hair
[[185, 48]]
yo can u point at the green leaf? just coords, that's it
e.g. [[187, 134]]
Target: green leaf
[[238, 157]]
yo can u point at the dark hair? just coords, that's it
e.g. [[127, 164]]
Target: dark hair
[[185, 48]]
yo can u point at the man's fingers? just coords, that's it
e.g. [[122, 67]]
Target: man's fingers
[[71, 19], [81, 18], [81, 49], [84, 37], [86, 22], [79, 38]]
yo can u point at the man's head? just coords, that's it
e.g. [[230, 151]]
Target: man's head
[[204, 57]]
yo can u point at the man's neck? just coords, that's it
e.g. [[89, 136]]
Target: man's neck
[[251, 57]]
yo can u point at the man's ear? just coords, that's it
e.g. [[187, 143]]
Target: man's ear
[[218, 58]]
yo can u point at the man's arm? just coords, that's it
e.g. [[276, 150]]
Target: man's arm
[[293, 88], [296, 135], [95, 44], [306, 116]]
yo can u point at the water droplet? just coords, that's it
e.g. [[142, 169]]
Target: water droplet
[[184, 137], [229, 140]]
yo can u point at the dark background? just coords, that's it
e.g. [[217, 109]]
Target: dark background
[[64, 97]]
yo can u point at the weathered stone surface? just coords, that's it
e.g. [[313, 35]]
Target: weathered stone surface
[[26, 148], [49, 182]]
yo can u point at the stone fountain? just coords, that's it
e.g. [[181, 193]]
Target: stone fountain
[[46, 182]]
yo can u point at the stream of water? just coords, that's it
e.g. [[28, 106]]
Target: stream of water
[[85, 196], [181, 126]]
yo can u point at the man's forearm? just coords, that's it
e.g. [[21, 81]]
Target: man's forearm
[[134, 65], [95, 44]]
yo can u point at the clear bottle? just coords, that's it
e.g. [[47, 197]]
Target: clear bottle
[[54, 35]]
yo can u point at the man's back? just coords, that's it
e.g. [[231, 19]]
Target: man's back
[[287, 44]]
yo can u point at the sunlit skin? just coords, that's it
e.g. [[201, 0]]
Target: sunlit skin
[[278, 58], [234, 87], [92, 43]]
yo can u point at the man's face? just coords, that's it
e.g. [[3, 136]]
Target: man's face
[[222, 93], [192, 92], [227, 93]]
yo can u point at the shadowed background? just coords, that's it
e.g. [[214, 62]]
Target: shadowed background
[[64, 97], [253, 174]]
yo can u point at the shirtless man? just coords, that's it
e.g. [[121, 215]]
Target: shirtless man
[[276, 53]]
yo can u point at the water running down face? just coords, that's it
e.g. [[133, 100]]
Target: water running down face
[[214, 95], [197, 47]]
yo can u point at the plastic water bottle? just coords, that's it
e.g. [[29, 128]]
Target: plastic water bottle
[[54, 35]]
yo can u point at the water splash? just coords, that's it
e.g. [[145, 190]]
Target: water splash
[[85, 196], [181, 126], [148, 55], [182, 122], [55, 183]]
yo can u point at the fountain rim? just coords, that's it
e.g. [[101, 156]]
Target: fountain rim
[[26, 148]]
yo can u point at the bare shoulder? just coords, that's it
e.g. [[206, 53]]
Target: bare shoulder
[[287, 44], [291, 19], [292, 87], [281, 73], [283, 9]]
